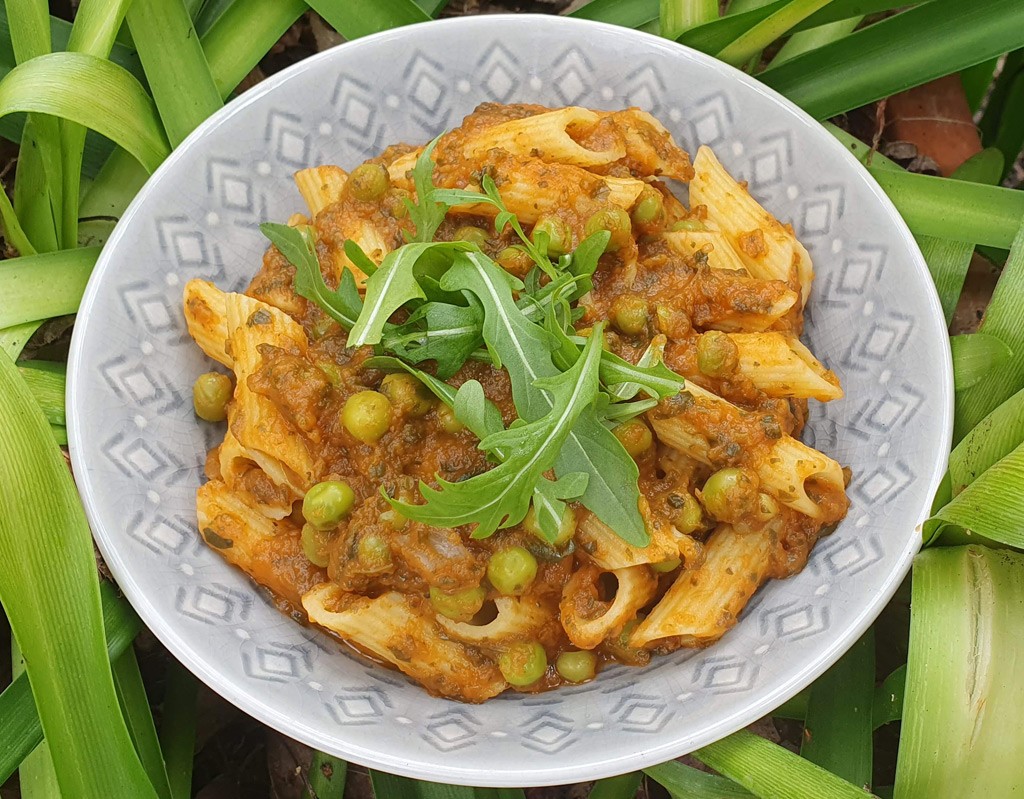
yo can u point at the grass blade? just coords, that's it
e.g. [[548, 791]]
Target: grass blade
[[1003, 319], [991, 507], [770, 772], [178, 729], [888, 702], [752, 42], [131, 694], [961, 728], [51, 594], [838, 726], [926, 42], [179, 75], [953, 209], [46, 380], [96, 25], [805, 41], [948, 260], [326, 777], [90, 92], [355, 18], [992, 439], [686, 782], [976, 355], [41, 286], [37, 778], [621, 787], [679, 16]]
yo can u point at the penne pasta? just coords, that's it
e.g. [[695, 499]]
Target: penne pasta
[[547, 137], [588, 620], [206, 319], [712, 243], [320, 186], [516, 618], [704, 603], [781, 366], [401, 630], [603, 547], [767, 249]]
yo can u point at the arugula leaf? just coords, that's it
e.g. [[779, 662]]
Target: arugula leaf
[[299, 247], [525, 350], [356, 255], [501, 496], [446, 334], [427, 213], [394, 284], [619, 412], [623, 380]]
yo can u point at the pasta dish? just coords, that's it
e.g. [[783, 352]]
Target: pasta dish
[[502, 410]]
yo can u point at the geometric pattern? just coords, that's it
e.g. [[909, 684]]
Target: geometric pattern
[[138, 450]]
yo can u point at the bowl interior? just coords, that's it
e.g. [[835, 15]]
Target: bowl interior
[[138, 450]]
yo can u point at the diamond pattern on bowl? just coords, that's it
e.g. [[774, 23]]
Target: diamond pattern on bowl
[[138, 449]]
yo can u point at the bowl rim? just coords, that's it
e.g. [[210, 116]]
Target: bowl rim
[[444, 768]]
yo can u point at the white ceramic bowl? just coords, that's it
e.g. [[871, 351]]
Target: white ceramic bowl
[[138, 449]]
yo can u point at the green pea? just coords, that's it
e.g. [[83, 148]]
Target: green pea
[[558, 232], [373, 552], [407, 394], [511, 570], [650, 209], [629, 313], [729, 494], [313, 544], [666, 566], [327, 503], [210, 395], [616, 222], [717, 354], [472, 234], [398, 209], [577, 666], [460, 606], [688, 224], [369, 182], [448, 421], [690, 516], [367, 416], [523, 663], [635, 436], [566, 526]]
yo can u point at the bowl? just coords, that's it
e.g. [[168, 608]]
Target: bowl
[[138, 450]]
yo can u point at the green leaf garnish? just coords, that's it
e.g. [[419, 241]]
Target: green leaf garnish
[[501, 496], [394, 284], [524, 348], [427, 213], [446, 334], [299, 247]]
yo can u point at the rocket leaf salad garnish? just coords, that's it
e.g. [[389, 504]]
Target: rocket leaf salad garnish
[[568, 391]]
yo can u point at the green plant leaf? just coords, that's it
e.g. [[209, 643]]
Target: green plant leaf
[[89, 91], [960, 728], [991, 507], [501, 496], [678, 16], [976, 355], [13, 231], [46, 380], [389, 786], [14, 338], [624, 786], [753, 41], [355, 18], [993, 438], [37, 778], [131, 694], [977, 80], [934, 39], [838, 724], [686, 782], [769, 771], [888, 702], [805, 41], [628, 13], [1003, 319], [499, 793], [327, 777], [394, 284], [947, 260], [50, 592], [998, 95], [38, 287], [178, 729], [176, 67], [1010, 135], [446, 334], [524, 349]]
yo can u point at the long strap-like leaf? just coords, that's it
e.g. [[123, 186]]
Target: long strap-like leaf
[[50, 590], [354, 19], [40, 286]]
